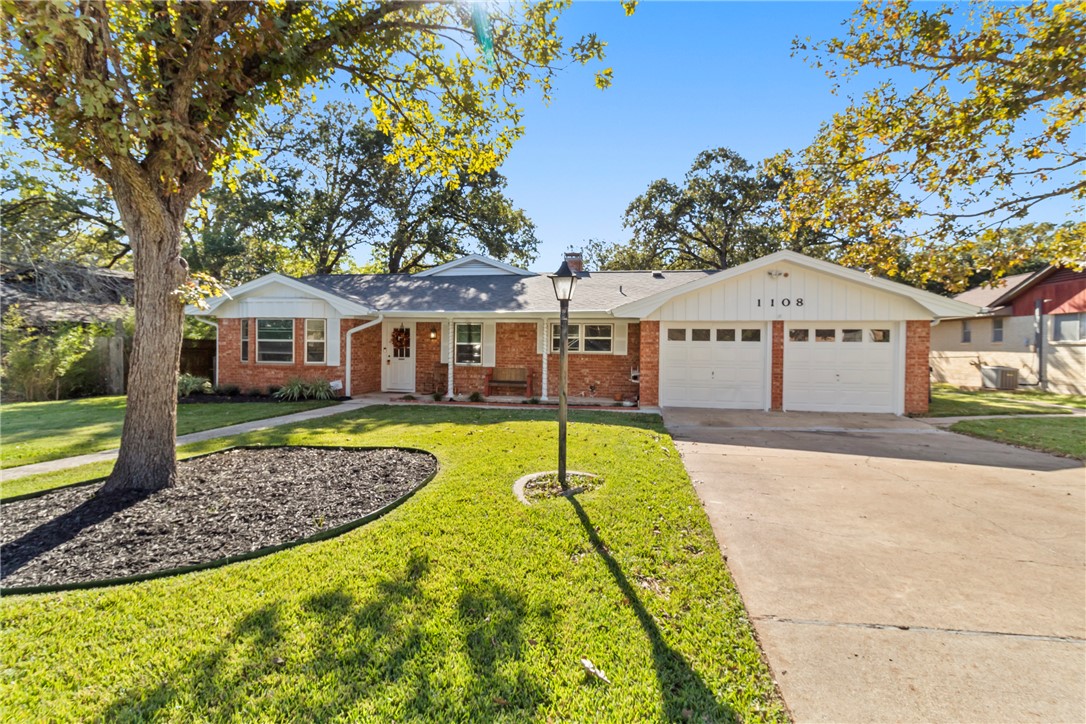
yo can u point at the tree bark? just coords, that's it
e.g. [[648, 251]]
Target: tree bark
[[147, 459]]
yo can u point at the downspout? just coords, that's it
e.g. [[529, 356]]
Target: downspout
[[380, 318], [215, 372]]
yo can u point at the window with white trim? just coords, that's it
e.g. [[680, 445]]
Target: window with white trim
[[469, 344], [997, 329], [245, 340], [275, 340], [1069, 327], [967, 332], [315, 341], [585, 338]]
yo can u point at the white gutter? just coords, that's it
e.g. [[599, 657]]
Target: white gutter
[[215, 373], [347, 337]]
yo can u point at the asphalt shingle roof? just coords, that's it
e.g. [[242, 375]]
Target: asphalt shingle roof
[[985, 296], [408, 293]]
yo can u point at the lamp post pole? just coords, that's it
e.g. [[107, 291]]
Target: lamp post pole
[[563, 380], [564, 281]]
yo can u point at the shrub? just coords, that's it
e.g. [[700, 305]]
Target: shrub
[[476, 396], [35, 361], [438, 396], [319, 390], [298, 389], [228, 390], [191, 384]]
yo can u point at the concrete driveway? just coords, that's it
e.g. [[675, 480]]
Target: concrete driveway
[[896, 572]]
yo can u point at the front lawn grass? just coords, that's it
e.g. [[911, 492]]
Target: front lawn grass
[[1063, 436], [461, 605], [33, 432], [948, 401]]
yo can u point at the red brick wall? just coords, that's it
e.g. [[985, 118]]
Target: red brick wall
[[776, 383], [365, 357], [252, 375], [604, 376], [650, 364], [917, 374], [427, 357]]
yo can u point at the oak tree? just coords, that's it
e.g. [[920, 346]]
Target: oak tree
[[153, 98], [976, 124]]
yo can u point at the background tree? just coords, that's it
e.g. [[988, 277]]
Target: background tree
[[153, 98], [989, 132], [725, 213]]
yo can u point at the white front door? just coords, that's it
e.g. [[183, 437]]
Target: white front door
[[399, 353], [840, 366], [713, 365]]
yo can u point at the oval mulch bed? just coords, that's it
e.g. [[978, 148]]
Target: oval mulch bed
[[225, 504]]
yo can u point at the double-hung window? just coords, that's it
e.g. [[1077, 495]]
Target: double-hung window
[[275, 340], [967, 332], [997, 329], [586, 338], [469, 344], [315, 341]]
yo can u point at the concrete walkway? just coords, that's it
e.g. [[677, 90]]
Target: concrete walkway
[[72, 462], [898, 572]]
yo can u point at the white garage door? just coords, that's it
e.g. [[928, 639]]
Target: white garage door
[[713, 365], [840, 367]]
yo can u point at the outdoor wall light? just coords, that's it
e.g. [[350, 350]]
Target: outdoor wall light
[[433, 331]]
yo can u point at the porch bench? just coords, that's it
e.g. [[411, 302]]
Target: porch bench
[[508, 377]]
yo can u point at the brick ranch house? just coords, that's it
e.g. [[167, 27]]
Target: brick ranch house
[[784, 332]]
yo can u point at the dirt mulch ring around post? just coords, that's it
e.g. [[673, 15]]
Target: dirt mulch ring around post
[[225, 504]]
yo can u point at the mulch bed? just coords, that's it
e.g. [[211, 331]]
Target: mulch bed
[[224, 504]]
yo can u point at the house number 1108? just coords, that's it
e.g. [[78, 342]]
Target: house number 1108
[[785, 302]]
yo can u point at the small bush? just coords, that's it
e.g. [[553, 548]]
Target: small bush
[[228, 390], [438, 396], [409, 398], [476, 397], [273, 390], [299, 389], [532, 401], [191, 384]]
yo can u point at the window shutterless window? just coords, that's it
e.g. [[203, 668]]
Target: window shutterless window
[[825, 335], [880, 335], [584, 338], [852, 335], [315, 341], [1069, 327], [997, 329], [245, 340], [275, 340], [469, 344], [967, 333]]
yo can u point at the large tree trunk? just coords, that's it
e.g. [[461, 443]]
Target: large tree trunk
[[147, 458]]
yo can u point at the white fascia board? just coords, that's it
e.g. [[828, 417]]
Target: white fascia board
[[937, 305], [345, 307], [520, 314], [509, 268]]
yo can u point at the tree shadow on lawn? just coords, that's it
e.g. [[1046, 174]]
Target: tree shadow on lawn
[[685, 694], [380, 649]]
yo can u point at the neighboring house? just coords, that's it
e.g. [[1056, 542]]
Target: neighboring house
[[1005, 333], [784, 332]]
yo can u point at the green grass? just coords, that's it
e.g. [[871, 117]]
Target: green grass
[[34, 432], [461, 605], [1056, 435], [947, 401]]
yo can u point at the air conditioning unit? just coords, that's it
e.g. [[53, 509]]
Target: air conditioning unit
[[998, 378]]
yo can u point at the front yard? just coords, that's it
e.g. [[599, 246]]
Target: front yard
[[1063, 436], [34, 432], [463, 604], [949, 401]]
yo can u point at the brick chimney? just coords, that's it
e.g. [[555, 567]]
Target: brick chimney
[[575, 261]]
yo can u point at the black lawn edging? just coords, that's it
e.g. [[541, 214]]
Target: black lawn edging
[[219, 563]]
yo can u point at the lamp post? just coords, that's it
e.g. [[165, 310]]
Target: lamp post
[[564, 280]]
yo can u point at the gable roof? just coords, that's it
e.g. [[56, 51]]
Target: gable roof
[[340, 304], [990, 296], [937, 305], [597, 292], [474, 265]]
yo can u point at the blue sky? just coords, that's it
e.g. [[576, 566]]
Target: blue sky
[[687, 76]]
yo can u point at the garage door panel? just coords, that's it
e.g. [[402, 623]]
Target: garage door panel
[[713, 373], [854, 376]]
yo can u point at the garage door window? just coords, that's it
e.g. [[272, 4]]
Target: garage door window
[[825, 335], [852, 335], [676, 335], [798, 335], [880, 335], [752, 335], [725, 335], [699, 335]]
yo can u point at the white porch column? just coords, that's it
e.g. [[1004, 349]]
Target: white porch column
[[546, 350], [452, 357]]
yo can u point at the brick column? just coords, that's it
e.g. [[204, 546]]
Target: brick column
[[650, 364], [917, 362], [776, 384]]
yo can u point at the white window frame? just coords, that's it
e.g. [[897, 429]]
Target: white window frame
[[967, 332], [575, 338], [1081, 316], [457, 344], [258, 341], [997, 327], [323, 341], [245, 340]]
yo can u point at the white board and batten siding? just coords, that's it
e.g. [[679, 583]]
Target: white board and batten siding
[[278, 301], [795, 293]]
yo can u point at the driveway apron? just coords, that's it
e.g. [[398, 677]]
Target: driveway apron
[[896, 572]]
